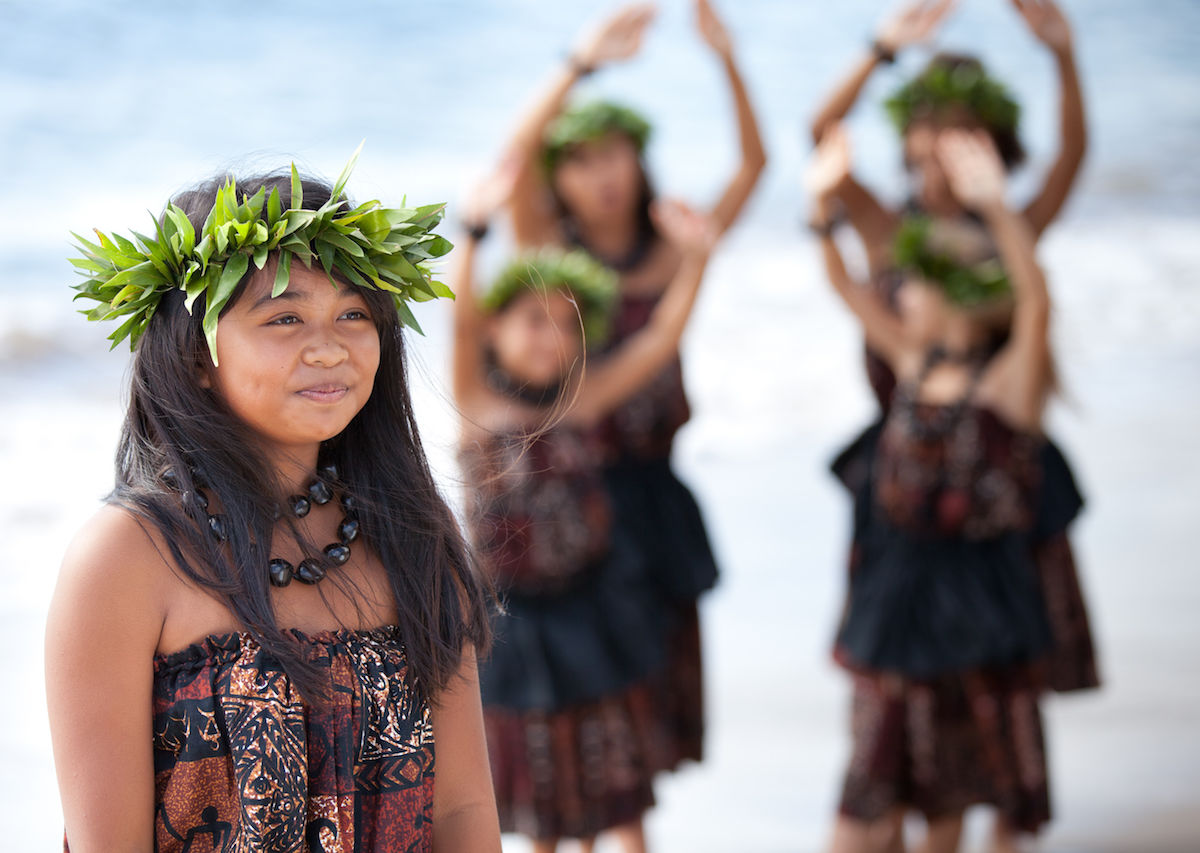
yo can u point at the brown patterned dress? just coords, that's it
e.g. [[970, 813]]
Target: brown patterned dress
[[660, 513], [243, 764], [947, 630], [568, 704]]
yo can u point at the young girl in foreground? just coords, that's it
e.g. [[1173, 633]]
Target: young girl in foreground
[[266, 639], [571, 725], [946, 630]]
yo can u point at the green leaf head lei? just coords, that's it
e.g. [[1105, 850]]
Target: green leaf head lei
[[369, 246], [966, 285], [949, 84], [590, 121], [590, 283]]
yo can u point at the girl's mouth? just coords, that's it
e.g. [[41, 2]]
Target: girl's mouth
[[324, 393]]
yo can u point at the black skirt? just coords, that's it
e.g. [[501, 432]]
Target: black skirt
[[660, 514]]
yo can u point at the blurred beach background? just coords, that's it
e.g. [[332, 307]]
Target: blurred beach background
[[106, 109]]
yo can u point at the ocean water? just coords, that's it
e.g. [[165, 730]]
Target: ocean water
[[107, 109]]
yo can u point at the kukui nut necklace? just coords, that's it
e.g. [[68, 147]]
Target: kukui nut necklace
[[311, 569]]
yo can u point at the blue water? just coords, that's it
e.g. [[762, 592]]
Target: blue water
[[106, 108]]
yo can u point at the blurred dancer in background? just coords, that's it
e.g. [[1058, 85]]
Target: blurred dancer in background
[[946, 630], [956, 92], [570, 702], [582, 183]]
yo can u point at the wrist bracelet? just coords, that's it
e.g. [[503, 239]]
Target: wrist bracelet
[[476, 230], [882, 53], [579, 67], [825, 229]]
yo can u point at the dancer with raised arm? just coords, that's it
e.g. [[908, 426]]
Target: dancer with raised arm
[[582, 183], [570, 691], [946, 631]]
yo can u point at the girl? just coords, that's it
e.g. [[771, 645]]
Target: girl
[[945, 627], [582, 182], [220, 678], [572, 733], [956, 92]]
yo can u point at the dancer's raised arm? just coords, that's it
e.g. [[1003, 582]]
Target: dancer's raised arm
[[534, 218], [911, 24], [976, 177], [642, 355], [754, 156], [1048, 24], [827, 172]]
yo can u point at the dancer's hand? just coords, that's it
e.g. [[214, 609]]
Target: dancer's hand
[[493, 192], [830, 163], [973, 168], [616, 38], [913, 23], [693, 233], [1047, 23], [712, 30]]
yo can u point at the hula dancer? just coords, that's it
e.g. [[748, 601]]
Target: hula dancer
[[956, 92], [946, 630], [266, 639], [582, 183], [569, 700]]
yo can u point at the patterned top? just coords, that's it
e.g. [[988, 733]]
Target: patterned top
[[538, 510], [975, 481], [643, 428], [242, 763]]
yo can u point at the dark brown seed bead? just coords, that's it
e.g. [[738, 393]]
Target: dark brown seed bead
[[171, 478], [328, 473], [216, 526], [300, 505], [309, 571], [191, 500], [320, 493], [281, 572], [337, 554], [348, 503], [348, 530]]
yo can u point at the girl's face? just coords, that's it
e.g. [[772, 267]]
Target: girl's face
[[600, 180], [297, 368], [536, 337]]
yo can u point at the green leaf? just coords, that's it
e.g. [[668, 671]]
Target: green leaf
[[297, 190], [339, 186], [282, 274]]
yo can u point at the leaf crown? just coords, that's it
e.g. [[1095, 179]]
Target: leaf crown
[[964, 284], [951, 83], [590, 283], [590, 121], [369, 245]]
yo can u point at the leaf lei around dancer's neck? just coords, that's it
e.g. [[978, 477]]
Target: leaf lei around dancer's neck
[[941, 88], [588, 122], [369, 246], [967, 285]]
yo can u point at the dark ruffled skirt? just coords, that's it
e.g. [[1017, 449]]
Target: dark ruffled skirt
[[660, 513], [593, 640], [1069, 661]]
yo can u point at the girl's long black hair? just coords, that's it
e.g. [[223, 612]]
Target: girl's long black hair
[[177, 433]]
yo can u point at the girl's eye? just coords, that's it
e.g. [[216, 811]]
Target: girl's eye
[[356, 314], [286, 320]]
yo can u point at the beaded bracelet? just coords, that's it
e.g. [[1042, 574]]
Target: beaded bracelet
[[476, 230], [882, 53], [579, 67]]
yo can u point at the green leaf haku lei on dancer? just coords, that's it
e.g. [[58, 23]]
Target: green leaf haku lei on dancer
[[941, 88], [588, 122], [590, 283], [964, 284], [368, 245]]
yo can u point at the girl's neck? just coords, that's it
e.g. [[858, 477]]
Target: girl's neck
[[610, 238], [295, 467]]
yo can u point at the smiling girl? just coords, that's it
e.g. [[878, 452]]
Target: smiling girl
[[265, 640]]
